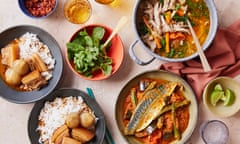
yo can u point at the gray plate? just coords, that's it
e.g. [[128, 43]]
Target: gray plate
[[64, 92], [27, 97], [158, 74]]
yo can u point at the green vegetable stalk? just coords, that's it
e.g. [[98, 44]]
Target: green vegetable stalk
[[176, 131], [151, 86], [134, 97], [176, 106]]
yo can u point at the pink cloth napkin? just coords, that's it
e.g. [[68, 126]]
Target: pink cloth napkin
[[223, 56]]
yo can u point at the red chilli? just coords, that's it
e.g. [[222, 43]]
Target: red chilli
[[39, 8]]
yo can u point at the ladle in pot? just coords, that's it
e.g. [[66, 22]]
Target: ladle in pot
[[206, 66]]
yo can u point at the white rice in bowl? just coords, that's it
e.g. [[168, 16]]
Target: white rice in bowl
[[30, 44], [53, 115], [27, 63]]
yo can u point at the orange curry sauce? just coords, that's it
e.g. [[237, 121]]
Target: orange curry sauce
[[165, 134]]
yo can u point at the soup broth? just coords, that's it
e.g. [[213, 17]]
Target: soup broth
[[162, 26]]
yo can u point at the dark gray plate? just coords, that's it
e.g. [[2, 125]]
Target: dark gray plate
[[27, 97], [64, 92]]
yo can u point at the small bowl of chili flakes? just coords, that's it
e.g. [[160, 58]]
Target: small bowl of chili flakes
[[38, 8]]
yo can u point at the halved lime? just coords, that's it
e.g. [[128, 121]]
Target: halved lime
[[218, 86], [215, 96], [229, 97]]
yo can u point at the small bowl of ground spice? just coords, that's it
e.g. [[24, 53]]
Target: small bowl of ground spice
[[38, 8]]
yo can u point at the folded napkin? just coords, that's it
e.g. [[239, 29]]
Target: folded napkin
[[223, 56]]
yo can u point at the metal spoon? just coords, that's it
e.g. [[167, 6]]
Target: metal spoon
[[150, 129], [206, 66]]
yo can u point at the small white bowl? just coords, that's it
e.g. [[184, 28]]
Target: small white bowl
[[221, 110]]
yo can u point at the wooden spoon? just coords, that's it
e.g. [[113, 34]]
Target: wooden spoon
[[119, 25], [206, 66]]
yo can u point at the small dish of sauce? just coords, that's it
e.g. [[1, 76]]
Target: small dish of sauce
[[77, 11]]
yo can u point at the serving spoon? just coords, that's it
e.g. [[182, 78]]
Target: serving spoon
[[206, 66], [120, 24]]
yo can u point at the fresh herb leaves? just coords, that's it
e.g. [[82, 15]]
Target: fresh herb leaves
[[87, 55]]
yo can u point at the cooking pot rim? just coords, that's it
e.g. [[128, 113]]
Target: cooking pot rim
[[206, 44]]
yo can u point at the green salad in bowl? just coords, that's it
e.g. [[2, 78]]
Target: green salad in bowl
[[87, 55]]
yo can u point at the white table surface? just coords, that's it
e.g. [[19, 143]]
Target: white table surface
[[14, 117]]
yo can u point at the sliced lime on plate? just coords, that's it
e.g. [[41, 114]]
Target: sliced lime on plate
[[218, 87], [229, 97], [215, 96]]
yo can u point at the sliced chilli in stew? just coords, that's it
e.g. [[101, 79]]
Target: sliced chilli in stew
[[156, 111], [162, 25]]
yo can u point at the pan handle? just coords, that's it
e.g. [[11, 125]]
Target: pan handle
[[135, 58]]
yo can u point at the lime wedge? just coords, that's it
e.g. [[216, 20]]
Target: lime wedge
[[229, 97], [215, 96], [218, 87]]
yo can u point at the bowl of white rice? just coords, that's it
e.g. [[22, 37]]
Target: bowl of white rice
[[32, 40], [50, 114]]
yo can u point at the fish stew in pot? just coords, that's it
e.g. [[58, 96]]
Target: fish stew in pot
[[156, 111]]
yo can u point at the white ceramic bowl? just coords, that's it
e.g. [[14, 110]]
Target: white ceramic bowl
[[221, 110]]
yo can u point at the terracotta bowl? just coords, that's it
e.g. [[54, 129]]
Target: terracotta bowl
[[115, 52]]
